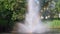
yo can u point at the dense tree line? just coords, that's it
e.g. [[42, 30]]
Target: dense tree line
[[10, 11], [51, 9]]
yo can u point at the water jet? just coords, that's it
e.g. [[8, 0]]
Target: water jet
[[33, 23]]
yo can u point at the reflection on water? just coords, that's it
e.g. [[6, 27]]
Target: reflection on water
[[52, 31]]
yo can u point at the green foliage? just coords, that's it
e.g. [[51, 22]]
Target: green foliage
[[15, 6], [11, 10], [58, 5], [19, 9], [55, 23]]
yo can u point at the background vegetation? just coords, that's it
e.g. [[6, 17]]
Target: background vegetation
[[11, 11]]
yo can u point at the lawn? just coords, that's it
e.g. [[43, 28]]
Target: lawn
[[55, 23]]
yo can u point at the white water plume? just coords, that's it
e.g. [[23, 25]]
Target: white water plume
[[33, 23]]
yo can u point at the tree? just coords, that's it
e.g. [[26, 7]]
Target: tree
[[11, 10], [58, 7]]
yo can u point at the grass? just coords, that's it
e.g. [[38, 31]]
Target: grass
[[55, 23]]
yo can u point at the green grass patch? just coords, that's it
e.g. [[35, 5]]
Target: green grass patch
[[55, 23]]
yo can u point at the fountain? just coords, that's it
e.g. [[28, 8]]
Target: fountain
[[33, 23]]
